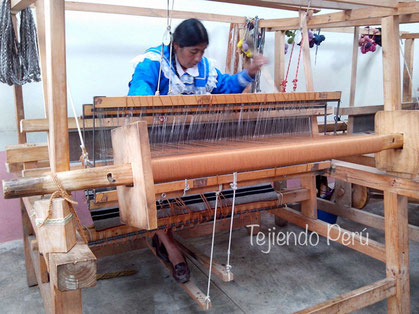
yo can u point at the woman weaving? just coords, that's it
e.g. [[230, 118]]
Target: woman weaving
[[188, 73]]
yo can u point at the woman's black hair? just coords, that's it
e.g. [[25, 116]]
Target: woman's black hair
[[190, 32]]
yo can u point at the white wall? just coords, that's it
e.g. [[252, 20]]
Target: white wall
[[100, 47]]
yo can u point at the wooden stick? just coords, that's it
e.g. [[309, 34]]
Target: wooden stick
[[279, 58], [358, 243], [356, 299], [217, 269], [190, 287]]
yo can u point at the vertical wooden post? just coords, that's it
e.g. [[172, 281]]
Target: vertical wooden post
[[40, 24], [67, 302], [397, 250], [279, 72], [409, 47], [230, 49], [391, 63], [20, 113], [309, 207], [308, 72], [27, 231], [56, 85], [355, 50], [354, 66]]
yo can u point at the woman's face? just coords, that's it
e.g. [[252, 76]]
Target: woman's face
[[189, 56]]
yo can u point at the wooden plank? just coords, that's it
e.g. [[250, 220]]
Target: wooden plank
[[19, 5], [362, 217], [309, 207], [137, 203], [213, 99], [391, 63], [26, 152], [356, 299], [364, 16], [73, 270], [190, 287], [409, 48], [355, 51], [67, 302], [374, 178], [402, 160], [410, 36], [308, 72], [356, 242], [368, 110], [397, 250], [279, 71], [365, 160], [302, 4], [137, 11], [374, 3], [56, 85], [217, 269]]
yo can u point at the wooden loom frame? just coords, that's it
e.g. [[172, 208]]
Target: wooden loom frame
[[58, 298]]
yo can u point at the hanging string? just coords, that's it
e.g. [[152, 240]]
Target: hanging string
[[84, 155], [167, 35], [207, 298], [234, 188]]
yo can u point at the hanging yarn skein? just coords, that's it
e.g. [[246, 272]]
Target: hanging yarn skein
[[19, 63]]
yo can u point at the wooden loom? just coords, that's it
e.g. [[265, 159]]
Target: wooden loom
[[393, 287]]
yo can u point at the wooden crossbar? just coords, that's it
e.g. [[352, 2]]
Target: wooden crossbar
[[213, 99], [356, 299]]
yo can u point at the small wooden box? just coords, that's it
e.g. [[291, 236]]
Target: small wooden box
[[58, 234]]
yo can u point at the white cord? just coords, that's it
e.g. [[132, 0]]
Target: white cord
[[217, 194], [83, 148], [234, 187]]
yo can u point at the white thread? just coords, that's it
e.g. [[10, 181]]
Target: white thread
[[207, 298], [234, 187]]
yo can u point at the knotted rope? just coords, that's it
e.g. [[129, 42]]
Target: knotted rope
[[61, 192]]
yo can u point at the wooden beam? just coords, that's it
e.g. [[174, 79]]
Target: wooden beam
[[410, 36], [301, 4], [368, 110], [373, 3], [373, 178], [59, 156], [26, 152], [356, 299], [27, 232], [362, 217], [333, 19], [309, 207], [397, 250], [19, 5], [279, 71], [391, 63], [137, 11], [358, 243], [73, 270], [308, 72], [409, 54]]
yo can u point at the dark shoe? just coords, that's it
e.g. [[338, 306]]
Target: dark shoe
[[181, 272], [160, 249]]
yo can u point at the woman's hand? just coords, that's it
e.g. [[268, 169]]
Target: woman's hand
[[255, 64]]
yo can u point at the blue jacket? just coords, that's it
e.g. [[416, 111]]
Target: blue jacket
[[210, 79]]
